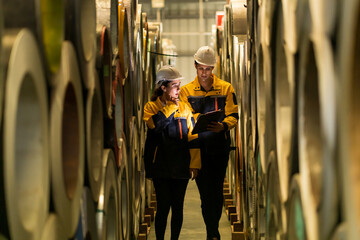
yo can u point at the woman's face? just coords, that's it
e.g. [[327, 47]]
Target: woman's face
[[172, 89]]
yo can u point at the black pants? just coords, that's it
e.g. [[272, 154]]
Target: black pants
[[170, 193], [210, 182]]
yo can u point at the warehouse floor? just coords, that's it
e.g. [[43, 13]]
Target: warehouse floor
[[193, 224]]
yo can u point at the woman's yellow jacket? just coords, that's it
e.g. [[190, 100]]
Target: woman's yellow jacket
[[170, 148]]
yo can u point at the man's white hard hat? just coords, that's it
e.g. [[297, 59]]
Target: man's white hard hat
[[206, 56], [167, 73]]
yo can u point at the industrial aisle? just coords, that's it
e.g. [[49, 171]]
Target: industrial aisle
[[193, 224]]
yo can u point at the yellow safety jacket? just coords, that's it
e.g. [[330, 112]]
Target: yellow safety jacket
[[221, 96], [170, 148]]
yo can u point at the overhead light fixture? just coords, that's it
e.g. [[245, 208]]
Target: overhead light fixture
[[157, 3]]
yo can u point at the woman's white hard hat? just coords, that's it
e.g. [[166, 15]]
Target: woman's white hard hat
[[206, 56], [167, 73]]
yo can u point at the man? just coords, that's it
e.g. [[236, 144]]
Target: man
[[209, 93]]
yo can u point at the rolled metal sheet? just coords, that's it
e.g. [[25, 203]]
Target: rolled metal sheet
[[276, 220], [268, 8], [145, 38], [107, 15], [138, 86], [340, 232], [131, 6], [328, 96], [238, 19], [25, 139], [124, 191], [261, 203], [104, 66], [87, 221], [94, 138], [151, 61], [128, 105], [261, 105], [297, 212], [348, 114], [157, 28], [285, 108], [124, 41], [251, 177], [139, 24], [293, 12], [67, 141], [80, 20], [46, 20], [253, 110], [310, 135], [266, 99], [142, 136], [134, 176], [107, 218], [118, 119], [324, 15], [53, 229]]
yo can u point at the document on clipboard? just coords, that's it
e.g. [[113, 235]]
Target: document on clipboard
[[205, 119]]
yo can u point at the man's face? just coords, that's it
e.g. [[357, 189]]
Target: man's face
[[203, 71]]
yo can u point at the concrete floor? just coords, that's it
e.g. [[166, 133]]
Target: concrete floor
[[193, 224]]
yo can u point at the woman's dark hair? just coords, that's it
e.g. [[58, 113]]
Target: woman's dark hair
[[158, 91]]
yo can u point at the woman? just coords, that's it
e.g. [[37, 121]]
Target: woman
[[172, 154]]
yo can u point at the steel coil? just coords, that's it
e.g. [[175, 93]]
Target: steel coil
[[348, 114], [293, 13], [124, 191], [131, 6], [267, 83], [297, 224], [239, 171], [118, 120], [145, 40], [251, 189], [94, 138], [284, 105], [107, 15], [53, 229], [276, 221], [134, 176], [104, 66], [252, 98], [25, 150], [325, 55], [123, 44], [151, 62], [67, 141], [138, 80], [139, 67], [87, 221], [107, 217], [46, 20], [261, 198], [141, 167], [157, 28], [324, 16], [310, 141], [238, 19], [80, 29], [340, 232]]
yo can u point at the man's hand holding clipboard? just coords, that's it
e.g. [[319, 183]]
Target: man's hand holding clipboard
[[208, 122]]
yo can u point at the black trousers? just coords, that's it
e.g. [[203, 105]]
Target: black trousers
[[210, 182], [170, 193]]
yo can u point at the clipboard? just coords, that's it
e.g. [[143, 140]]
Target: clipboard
[[205, 119]]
